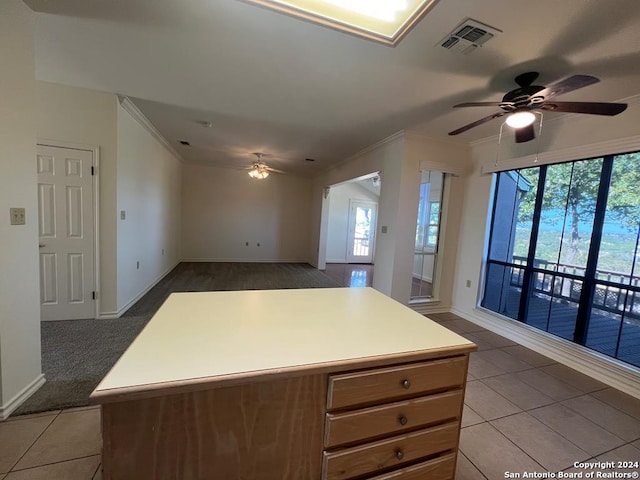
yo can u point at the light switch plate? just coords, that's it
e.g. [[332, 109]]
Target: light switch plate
[[17, 216], [123, 215]]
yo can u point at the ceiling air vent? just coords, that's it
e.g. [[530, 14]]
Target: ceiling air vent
[[468, 36]]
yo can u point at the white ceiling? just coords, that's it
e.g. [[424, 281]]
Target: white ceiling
[[294, 90]]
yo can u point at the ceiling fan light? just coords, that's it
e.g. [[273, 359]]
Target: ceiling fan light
[[259, 173], [520, 119]]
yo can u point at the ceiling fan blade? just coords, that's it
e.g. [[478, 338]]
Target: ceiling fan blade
[[479, 104], [567, 85], [275, 170], [525, 134], [594, 108], [477, 122]]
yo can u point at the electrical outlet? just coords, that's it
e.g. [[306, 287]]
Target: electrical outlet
[[17, 216], [384, 229], [123, 215], [468, 283], [137, 265]]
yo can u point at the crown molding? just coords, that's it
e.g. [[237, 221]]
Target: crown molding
[[443, 140], [139, 117], [390, 139]]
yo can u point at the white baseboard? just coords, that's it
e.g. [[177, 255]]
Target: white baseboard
[[9, 407], [619, 375], [245, 260], [121, 310], [336, 260], [146, 290], [417, 276]]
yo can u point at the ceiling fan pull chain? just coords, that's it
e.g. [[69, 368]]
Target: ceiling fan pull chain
[[539, 135], [499, 144]]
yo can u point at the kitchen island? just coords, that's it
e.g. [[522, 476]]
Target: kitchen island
[[307, 384]]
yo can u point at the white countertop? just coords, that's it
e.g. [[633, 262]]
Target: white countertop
[[210, 334]]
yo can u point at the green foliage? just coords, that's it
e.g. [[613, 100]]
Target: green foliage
[[570, 194], [623, 205]]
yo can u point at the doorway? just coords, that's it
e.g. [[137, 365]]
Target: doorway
[[361, 231], [66, 225], [351, 214]]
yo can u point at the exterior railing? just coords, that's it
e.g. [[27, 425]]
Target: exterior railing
[[361, 246], [615, 292]]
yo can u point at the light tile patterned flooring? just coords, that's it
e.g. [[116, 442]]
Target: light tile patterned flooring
[[523, 412], [526, 413], [56, 445]]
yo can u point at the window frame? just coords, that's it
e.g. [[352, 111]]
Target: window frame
[[529, 273]]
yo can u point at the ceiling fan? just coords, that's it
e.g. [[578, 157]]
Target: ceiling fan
[[521, 103], [259, 169]]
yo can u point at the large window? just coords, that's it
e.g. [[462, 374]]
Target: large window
[[564, 252]]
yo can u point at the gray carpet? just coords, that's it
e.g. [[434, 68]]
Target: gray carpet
[[209, 277], [77, 354]]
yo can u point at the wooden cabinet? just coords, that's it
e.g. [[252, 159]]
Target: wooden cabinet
[[383, 384], [441, 468], [263, 393], [392, 434]]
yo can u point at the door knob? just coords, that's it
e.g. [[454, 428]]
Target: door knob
[[41, 245]]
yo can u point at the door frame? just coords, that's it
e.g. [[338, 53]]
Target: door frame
[[95, 150], [353, 202]]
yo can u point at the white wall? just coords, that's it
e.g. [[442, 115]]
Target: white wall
[[20, 370], [399, 159], [80, 116], [338, 226], [223, 208], [397, 209], [149, 182], [454, 159]]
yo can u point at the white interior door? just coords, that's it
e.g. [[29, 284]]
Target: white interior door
[[361, 232], [66, 228]]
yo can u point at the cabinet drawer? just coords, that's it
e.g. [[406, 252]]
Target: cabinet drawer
[[388, 453], [379, 385], [350, 427], [441, 468]]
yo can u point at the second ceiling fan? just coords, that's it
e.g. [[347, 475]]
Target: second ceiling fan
[[259, 169], [521, 103]]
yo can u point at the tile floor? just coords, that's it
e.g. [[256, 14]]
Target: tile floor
[[56, 445], [523, 412], [526, 413]]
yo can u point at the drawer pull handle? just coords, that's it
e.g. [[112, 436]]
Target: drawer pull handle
[[399, 454], [402, 419], [405, 383]]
